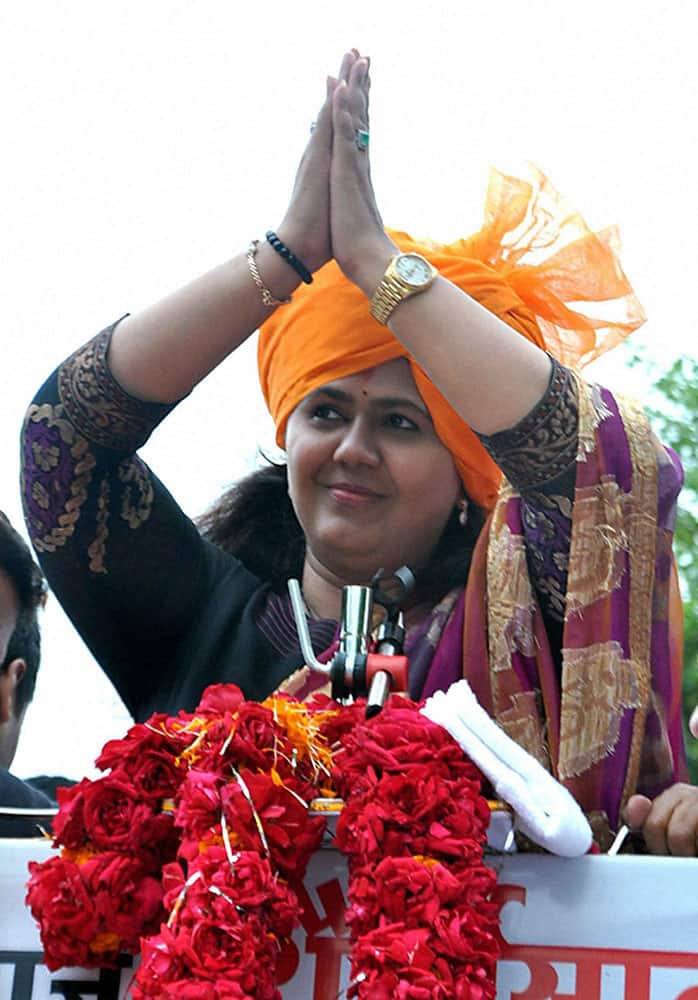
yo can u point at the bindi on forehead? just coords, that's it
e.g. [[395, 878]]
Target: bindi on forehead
[[365, 378]]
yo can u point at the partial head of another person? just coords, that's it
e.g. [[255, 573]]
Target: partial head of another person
[[21, 595]]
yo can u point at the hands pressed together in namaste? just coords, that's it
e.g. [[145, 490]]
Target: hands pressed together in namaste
[[333, 211]]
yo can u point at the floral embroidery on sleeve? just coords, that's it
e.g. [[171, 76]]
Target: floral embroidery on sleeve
[[538, 457], [542, 447], [73, 450], [57, 469], [96, 404]]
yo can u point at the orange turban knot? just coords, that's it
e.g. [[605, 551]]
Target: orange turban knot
[[534, 263]]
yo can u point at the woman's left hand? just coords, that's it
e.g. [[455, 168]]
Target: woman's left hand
[[359, 242], [669, 824]]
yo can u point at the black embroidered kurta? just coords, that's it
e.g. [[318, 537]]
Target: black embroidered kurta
[[165, 612]]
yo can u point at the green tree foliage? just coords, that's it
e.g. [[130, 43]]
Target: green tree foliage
[[674, 412]]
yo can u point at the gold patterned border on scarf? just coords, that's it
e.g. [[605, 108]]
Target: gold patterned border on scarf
[[600, 684], [642, 544], [610, 529], [511, 606]]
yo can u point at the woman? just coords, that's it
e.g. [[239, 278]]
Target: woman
[[384, 469]]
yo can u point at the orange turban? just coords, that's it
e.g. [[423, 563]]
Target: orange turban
[[534, 263]]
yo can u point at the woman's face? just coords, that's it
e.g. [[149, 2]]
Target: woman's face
[[371, 483]]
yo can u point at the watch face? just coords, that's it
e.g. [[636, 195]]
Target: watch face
[[413, 268]]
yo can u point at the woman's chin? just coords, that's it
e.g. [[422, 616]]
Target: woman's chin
[[352, 567]]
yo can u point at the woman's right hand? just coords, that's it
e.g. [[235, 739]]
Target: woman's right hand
[[306, 225]]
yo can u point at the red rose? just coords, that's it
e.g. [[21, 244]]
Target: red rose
[[204, 953], [251, 884], [238, 949], [199, 807], [69, 824], [220, 699], [342, 719], [247, 738], [148, 756], [399, 889], [127, 899], [396, 741], [117, 819], [160, 964], [61, 903], [418, 812], [291, 834], [393, 961]]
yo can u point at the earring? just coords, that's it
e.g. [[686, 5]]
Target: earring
[[462, 508]]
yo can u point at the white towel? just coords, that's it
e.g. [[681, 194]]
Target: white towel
[[545, 811]]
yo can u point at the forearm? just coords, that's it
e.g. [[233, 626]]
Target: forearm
[[489, 373], [162, 352]]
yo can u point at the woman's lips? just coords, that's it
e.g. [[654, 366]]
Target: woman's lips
[[351, 495]]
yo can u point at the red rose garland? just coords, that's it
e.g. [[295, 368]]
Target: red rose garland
[[422, 919], [190, 847]]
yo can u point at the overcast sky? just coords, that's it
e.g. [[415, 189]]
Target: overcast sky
[[147, 141]]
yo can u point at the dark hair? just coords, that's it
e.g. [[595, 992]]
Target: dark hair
[[18, 563], [25, 644], [255, 521]]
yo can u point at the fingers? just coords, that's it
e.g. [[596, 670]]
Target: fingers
[[348, 61], [350, 104], [321, 129], [357, 91], [353, 75], [636, 811], [669, 824]]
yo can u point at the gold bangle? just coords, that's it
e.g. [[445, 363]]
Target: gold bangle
[[267, 298]]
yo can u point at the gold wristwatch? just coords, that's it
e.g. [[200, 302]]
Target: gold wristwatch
[[407, 274]]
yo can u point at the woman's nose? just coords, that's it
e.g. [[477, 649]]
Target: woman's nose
[[357, 446]]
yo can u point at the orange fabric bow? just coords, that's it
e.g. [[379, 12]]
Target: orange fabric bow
[[534, 263]]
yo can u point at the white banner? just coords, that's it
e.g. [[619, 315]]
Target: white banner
[[595, 928]]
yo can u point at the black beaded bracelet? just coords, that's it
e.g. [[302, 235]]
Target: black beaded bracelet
[[289, 256]]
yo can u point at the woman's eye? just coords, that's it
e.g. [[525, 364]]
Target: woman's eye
[[397, 421], [325, 412]]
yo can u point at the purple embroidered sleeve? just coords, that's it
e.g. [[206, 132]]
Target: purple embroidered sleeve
[[538, 457], [97, 406], [78, 440]]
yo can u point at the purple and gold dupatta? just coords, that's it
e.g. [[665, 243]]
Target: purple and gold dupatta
[[610, 723]]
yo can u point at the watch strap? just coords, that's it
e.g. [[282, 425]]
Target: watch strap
[[391, 291]]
